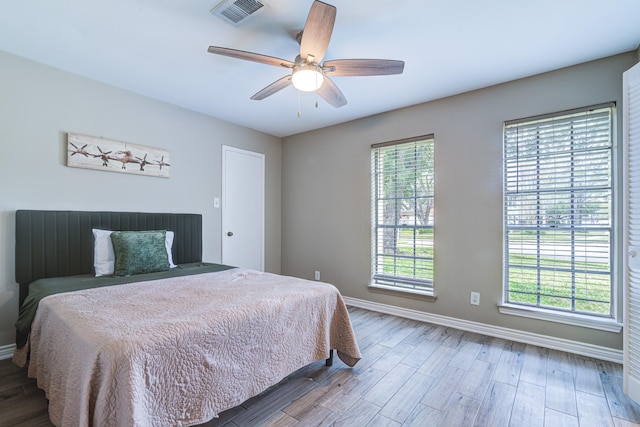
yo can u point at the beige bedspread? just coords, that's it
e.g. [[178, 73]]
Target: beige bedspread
[[179, 351]]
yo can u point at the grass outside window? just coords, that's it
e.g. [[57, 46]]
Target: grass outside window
[[559, 212]]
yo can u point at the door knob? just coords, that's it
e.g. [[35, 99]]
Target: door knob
[[229, 233]]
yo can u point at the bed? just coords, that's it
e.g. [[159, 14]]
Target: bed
[[170, 347]]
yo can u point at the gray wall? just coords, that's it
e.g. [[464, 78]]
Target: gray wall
[[326, 192], [39, 104], [325, 202]]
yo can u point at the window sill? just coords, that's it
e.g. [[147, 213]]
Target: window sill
[[609, 325], [409, 293]]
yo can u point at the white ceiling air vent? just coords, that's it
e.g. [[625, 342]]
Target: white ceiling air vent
[[236, 12]]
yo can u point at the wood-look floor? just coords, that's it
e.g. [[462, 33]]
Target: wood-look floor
[[411, 374]]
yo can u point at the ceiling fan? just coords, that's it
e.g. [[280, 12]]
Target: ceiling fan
[[308, 72]]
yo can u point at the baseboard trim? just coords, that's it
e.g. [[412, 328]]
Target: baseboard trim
[[584, 349], [6, 351]]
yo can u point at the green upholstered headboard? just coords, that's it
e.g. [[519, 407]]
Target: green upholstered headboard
[[60, 243]]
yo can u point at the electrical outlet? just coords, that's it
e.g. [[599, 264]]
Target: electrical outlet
[[317, 275], [475, 298]]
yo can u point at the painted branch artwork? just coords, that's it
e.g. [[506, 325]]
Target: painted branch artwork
[[91, 152]]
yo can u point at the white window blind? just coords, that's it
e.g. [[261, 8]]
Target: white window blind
[[402, 214], [631, 259], [558, 211]]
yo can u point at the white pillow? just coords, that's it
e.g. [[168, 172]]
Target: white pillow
[[104, 258], [168, 243]]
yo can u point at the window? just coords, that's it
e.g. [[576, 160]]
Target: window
[[402, 215], [558, 212]]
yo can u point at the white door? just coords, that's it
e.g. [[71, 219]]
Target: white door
[[243, 183], [631, 263]]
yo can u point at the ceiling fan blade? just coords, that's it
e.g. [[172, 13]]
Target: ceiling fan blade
[[274, 87], [330, 93], [250, 56], [363, 67], [317, 31]]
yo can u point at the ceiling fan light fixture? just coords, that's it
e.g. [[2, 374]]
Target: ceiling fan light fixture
[[307, 77]]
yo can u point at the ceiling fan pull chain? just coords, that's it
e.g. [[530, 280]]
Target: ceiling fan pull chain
[[318, 86], [299, 113]]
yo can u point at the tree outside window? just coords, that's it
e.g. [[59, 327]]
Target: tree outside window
[[403, 203]]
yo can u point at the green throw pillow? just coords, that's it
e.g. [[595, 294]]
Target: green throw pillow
[[138, 252]]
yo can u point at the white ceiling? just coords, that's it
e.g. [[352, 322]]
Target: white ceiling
[[158, 48]]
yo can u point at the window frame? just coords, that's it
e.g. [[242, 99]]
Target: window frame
[[610, 322], [395, 284]]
